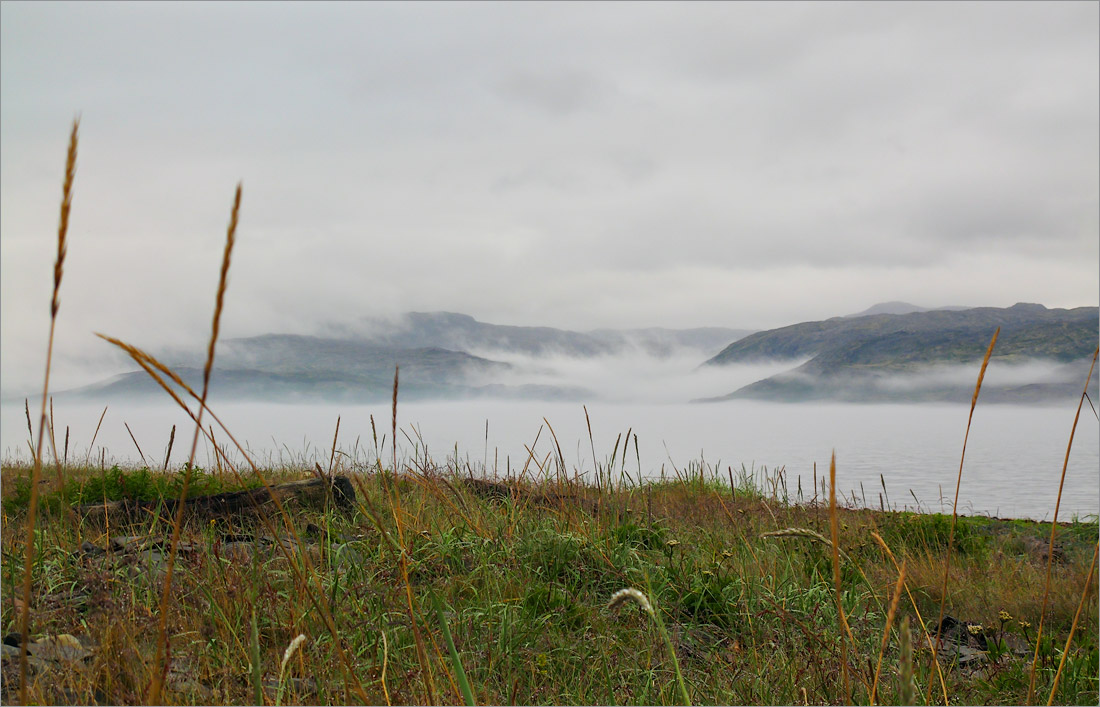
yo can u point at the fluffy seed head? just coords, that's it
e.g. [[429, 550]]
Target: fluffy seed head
[[624, 596], [289, 652]]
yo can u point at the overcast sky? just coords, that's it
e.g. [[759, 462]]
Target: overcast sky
[[576, 165]]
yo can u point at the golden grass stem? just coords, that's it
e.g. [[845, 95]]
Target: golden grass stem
[[30, 429], [91, 446], [557, 446], [1073, 627], [53, 446], [385, 664], [955, 505], [36, 473], [886, 632], [168, 454], [1054, 529], [160, 665], [136, 445], [592, 444], [335, 436], [905, 694], [393, 419], [916, 609], [834, 528]]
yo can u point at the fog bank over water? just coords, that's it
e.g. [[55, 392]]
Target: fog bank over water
[[1031, 372], [1013, 460], [629, 377], [1029, 382]]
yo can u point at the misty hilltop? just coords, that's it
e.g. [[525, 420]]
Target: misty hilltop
[[461, 332], [435, 352], [900, 308], [881, 357]]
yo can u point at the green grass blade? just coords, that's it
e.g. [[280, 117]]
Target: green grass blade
[[460, 674]]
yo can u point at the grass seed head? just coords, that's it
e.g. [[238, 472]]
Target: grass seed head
[[625, 596]]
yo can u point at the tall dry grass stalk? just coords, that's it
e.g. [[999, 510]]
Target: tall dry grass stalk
[[886, 632], [955, 505], [136, 445], [834, 528], [1054, 529], [1073, 626], [335, 436], [53, 445], [160, 664], [916, 609], [171, 441], [91, 446], [809, 534], [393, 419], [908, 689], [36, 473]]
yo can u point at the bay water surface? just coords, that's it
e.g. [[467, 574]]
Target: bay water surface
[[1012, 467]]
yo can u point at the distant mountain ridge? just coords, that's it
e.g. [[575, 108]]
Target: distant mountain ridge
[[357, 362], [850, 357], [900, 308], [877, 356], [461, 332]]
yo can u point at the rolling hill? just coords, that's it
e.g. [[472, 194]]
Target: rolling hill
[[868, 358]]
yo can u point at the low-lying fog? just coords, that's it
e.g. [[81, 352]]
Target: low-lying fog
[[633, 377], [638, 377], [999, 373]]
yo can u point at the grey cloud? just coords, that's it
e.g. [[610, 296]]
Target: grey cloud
[[577, 165], [557, 93]]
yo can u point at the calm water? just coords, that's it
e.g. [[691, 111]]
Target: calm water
[[1013, 460]]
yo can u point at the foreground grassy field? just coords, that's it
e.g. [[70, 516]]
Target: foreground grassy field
[[432, 589]]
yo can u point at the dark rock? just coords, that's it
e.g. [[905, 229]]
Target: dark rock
[[88, 549], [315, 493], [64, 648], [960, 633], [1041, 551], [123, 543]]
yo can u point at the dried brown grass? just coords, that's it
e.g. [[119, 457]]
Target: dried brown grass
[[1053, 532], [834, 528], [160, 669], [955, 505], [36, 474]]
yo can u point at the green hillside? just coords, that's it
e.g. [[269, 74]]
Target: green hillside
[[869, 358]]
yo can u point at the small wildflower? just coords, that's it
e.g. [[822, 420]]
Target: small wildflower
[[672, 543], [974, 629], [1024, 624], [727, 554], [624, 596], [1004, 615]]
